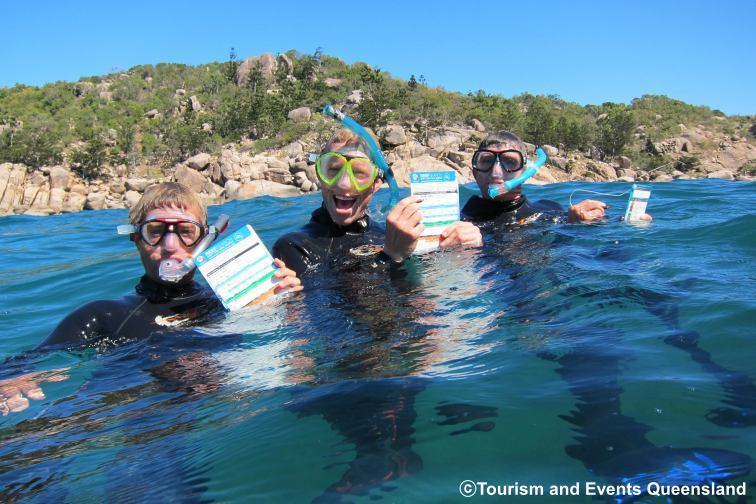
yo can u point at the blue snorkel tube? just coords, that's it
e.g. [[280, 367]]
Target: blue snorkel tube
[[375, 151], [530, 170]]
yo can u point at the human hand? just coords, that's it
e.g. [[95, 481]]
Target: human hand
[[587, 211], [403, 228], [461, 233], [15, 391], [289, 281]]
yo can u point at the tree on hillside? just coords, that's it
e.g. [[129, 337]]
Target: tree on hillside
[[615, 131]]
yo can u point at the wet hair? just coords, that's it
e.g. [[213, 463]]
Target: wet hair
[[168, 194], [503, 137]]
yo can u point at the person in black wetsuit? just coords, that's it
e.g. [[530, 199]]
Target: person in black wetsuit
[[501, 157], [170, 220], [340, 230]]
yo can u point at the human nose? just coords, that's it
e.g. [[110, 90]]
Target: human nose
[[344, 182], [496, 170], [171, 241]]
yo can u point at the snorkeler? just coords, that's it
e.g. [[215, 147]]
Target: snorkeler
[[341, 229], [499, 166], [168, 223]]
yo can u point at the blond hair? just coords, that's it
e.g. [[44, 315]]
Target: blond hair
[[168, 194], [345, 136]]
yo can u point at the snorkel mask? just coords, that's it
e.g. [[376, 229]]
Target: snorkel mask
[[170, 270], [531, 169], [376, 156]]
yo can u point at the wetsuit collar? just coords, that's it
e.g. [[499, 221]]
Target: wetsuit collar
[[156, 292], [322, 217]]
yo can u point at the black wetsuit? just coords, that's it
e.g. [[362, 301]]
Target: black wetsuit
[[323, 241], [153, 307], [478, 210]]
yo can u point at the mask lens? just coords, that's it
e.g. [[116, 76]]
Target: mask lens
[[153, 231], [484, 160], [189, 233], [364, 171], [328, 167], [510, 163]]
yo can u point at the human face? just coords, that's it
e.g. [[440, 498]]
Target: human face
[[344, 203], [169, 247], [496, 175]]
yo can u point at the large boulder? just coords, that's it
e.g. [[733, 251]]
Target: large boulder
[[601, 171], [624, 163], [301, 114], [75, 202], [293, 150], [14, 187], [95, 201], [354, 98], [722, 174], [60, 178], [445, 140], [34, 182], [137, 184], [195, 103], [261, 188], [131, 198], [80, 189], [192, 179], [57, 198], [558, 162], [279, 174], [393, 135], [332, 83], [118, 187], [199, 161], [550, 150], [265, 62], [477, 125]]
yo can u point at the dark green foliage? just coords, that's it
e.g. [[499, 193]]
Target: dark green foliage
[[615, 129], [106, 114], [89, 161]]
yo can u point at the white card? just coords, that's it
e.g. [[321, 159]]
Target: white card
[[439, 192], [238, 268]]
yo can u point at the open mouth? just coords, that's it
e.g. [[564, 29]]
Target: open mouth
[[343, 205]]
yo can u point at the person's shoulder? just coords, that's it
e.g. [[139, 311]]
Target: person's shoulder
[[90, 320], [472, 209]]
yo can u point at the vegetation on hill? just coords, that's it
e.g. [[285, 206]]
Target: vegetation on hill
[[146, 115]]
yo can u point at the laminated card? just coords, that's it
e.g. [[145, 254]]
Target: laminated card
[[439, 192], [238, 268]]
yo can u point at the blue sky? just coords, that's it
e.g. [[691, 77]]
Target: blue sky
[[703, 53]]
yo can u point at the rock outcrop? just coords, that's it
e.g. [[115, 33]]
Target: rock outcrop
[[235, 173]]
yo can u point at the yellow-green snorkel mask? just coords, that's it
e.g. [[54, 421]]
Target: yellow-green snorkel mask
[[331, 166]]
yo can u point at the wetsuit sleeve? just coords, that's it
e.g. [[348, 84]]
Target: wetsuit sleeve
[[293, 252], [81, 326]]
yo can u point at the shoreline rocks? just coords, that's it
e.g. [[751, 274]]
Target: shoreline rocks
[[236, 174]]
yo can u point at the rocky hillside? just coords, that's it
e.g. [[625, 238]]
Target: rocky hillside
[[118, 134]]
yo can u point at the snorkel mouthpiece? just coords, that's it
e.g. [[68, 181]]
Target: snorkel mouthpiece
[[173, 271], [375, 151], [530, 170]]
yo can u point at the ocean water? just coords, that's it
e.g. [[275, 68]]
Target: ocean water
[[556, 355]]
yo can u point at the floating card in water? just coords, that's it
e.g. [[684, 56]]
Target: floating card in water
[[238, 268], [439, 192], [636, 204]]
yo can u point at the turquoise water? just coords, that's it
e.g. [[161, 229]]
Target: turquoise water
[[556, 354]]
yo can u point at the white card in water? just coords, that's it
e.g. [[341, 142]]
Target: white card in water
[[636, 203], [439, 192], [238, 268]]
